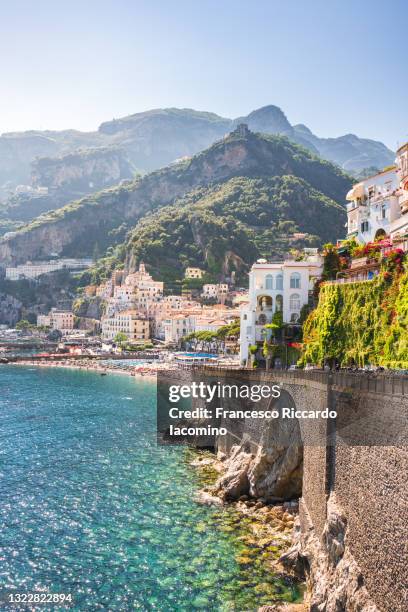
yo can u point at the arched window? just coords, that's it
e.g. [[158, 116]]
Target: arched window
[[269, 281], [279, 303], [294, 301], [295, 280], [279, 282]]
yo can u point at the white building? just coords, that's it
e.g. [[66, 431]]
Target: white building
[[399, 227], [276, 287], [210, 324], [215, 291], [177, 326], [62, 320], [34, 269], [378, 206], [136, 291], [43, 320], [373, 206]]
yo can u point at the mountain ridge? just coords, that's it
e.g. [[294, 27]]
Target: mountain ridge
[[155, 138], [107, 216]]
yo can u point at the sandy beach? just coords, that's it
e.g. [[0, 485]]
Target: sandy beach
[[145, 370]]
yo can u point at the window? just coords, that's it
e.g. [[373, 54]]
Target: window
[[269, 281], [294, 317], [364, 226], [279, 303], [294, 301], [383, 212], [295, 280], [279, 282], [244, 317]]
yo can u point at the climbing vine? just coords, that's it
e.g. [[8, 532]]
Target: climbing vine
[[362, 322]]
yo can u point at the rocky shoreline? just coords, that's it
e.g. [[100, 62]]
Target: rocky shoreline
[[268, 526]]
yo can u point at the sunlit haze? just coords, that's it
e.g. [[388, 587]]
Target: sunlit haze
[[338, 67]]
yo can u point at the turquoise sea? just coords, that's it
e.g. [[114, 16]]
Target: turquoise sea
[[91, 506]]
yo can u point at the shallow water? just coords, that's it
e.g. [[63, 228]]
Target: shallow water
[[91, 506]]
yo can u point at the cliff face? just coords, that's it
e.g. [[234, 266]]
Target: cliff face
[[10, 310], [76, 228], [81, 172], [68, 177]]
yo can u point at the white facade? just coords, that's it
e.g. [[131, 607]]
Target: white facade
[[44, 320], [210, 324], [136, 291], [176, 327], [62, 320], [273, 287], [373, 206], [33, 270], [399, 228], [379, 204]]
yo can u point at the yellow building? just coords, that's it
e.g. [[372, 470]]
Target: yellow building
[[135, 326], [194, 273]]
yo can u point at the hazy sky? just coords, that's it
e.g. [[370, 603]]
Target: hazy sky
[[338, 66]]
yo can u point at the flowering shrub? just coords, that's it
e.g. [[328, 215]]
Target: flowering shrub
[[394, 260], [371, 249]]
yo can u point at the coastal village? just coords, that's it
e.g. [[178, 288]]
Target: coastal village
[[251, 326]]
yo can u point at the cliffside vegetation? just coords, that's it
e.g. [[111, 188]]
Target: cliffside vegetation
[[226, 227], [362, 322]]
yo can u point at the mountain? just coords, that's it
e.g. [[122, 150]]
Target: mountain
[[158, 137], [105, 217], [225, 227], [67, 177]]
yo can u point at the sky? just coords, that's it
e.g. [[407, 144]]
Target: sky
[[337, 66]]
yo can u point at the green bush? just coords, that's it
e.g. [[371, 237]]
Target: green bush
[[361, 323]]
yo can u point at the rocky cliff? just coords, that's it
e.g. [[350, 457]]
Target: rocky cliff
[[85, 171], [68, 177]]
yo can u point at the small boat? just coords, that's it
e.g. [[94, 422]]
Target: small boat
[[103, 373]]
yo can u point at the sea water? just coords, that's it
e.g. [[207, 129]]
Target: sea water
[[91, 506]]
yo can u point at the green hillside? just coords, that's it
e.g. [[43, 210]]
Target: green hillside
[[101, 218], [361, 323], [226, 227]]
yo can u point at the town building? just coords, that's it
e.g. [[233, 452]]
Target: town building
[[215, 291], [399, 227], [284, 286], [137, 290], [193, 273], [210, 324], [378, 206], [373, 206], [177, 327], [61, 320], [43, 320], [32, 270], [135, 326]]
